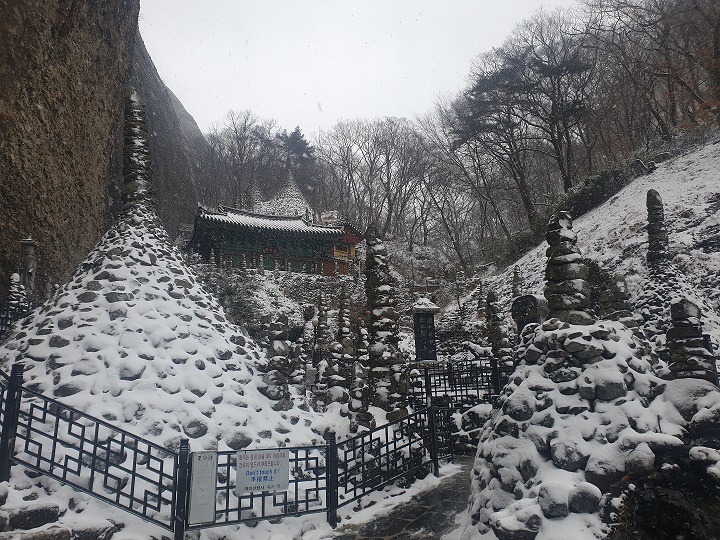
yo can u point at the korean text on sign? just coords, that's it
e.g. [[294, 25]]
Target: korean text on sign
[[262, 470]]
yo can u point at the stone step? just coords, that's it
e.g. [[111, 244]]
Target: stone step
[[60, 532], [39, 522], [28, 517]]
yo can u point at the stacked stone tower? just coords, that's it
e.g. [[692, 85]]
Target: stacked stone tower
[[657, 232], [517, 282], [566, 289], [385, 359], [497, 331], [654, 299], [690, 355]]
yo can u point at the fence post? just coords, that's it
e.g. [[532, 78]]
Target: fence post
[[181, 490], [432, 422], [332, 478], [10, 418], [495, 375], [428, 388]]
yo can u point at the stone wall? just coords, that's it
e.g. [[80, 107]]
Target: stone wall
[[63, 68]]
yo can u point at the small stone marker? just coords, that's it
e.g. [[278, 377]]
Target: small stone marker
[[203, 479], [424, 328], [528, 309], [262, 470]]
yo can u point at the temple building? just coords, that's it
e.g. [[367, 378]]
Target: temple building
[[271, 237]]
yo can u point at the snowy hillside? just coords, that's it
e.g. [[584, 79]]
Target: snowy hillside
[[614, 234], [592, 430]]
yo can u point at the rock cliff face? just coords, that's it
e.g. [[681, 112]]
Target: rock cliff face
[[176, 144], [63, 69]]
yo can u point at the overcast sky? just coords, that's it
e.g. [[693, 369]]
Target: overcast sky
[[313, 62]]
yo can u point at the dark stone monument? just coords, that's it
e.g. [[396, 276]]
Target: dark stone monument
[[528, 309], [657, 232], [424, 325]]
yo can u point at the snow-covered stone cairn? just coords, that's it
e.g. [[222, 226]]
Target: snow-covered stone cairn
[[615, 302], [308, 343], [344, 344], [17, 297], [480, 306], [690, 356], [583, 413], [361, 392], [339, 368], [566, 289], [657, 232], [658, 288], [284, 359], [16, 306], [321, 356], [134, 339], [517, 282], [497, 331], [385, 358]]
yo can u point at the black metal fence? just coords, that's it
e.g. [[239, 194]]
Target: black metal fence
[[306, 493], [396, 450], [458, 385], [153, 482], [93, 456], [9, 313]]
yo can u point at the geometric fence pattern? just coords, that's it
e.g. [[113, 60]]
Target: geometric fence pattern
[[151, 482], [306, 493], [9, 313], [121, 469], [458, 386]]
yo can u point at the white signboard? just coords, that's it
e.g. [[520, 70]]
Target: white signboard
[[203, 479], [262, 470]]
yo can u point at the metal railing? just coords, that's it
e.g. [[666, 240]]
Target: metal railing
[[9, 313], [306, 493], [111, 464], [153, 482], [393, 451], [457, 386]]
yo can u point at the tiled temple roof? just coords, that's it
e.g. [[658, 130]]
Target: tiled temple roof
[[242, 218]]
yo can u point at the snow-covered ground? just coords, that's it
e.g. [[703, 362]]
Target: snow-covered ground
[[134, 338], [615, 234]]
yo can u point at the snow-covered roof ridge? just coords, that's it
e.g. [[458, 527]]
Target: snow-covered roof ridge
[[245, 218]]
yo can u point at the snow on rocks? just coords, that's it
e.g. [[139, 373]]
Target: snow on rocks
[[690, 352], [576, 419], [135, 335], [135, 340], [566, 290], [615, 235]]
